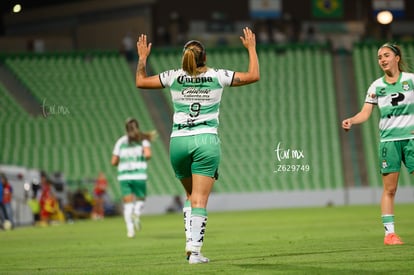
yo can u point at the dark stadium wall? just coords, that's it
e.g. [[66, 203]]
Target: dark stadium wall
[[102, 23], [80, 25], [108, 34]]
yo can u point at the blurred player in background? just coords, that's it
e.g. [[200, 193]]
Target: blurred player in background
[[4, 219], [99, 191], [7, 198], [394, 95], [49, 205], [130, 154], [195, 152]]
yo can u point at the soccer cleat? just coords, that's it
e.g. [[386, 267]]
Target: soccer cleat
[[198, 259], [392, 239], [188, 250], [137, 222], [131, 234]]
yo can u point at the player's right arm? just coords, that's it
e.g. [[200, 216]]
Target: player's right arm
[[141, 79], [360, 117], [253, 73], [115, 160], [116, 151]]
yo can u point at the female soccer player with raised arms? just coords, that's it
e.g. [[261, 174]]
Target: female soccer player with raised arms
[[196, 92]]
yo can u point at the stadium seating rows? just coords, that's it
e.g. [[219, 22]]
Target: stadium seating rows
[[85, 101], [278, 134]]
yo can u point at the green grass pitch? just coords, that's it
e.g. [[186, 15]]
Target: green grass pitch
[[332, 240]]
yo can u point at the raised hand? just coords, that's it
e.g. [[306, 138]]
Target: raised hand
[[249, 39], [143, 48]]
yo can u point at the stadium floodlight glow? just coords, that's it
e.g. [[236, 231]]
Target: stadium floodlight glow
[[384, 17], [17, 8]]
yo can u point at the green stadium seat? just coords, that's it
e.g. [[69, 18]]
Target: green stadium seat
[[99, 94]]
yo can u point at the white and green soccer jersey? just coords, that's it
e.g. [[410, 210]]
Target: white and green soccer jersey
[[196, 99], [396, 105], [132, 163]]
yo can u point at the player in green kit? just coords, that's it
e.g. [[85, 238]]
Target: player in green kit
[[195, 152], [394, 95], [131, 154]]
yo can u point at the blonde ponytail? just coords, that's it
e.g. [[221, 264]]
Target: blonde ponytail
[[189, 62], [194, 58]]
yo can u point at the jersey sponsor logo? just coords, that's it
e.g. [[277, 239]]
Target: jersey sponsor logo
[[397, 97], [192, 92], [186, 79], [191, 123]]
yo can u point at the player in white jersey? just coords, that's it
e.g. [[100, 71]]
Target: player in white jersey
[[196, 92], [130, 154], [394, 95]]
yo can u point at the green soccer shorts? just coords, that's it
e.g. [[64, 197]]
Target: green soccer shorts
[[198, 154], [136, 187], [393, 153]]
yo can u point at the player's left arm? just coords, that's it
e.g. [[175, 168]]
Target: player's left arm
[[142, 80], [147, 152], [253, 72]]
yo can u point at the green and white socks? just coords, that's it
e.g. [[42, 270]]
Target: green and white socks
[[195, 222], [128, 210], [187, 224], [132, 214], [198, 229], [388, 222], [138, 206]]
